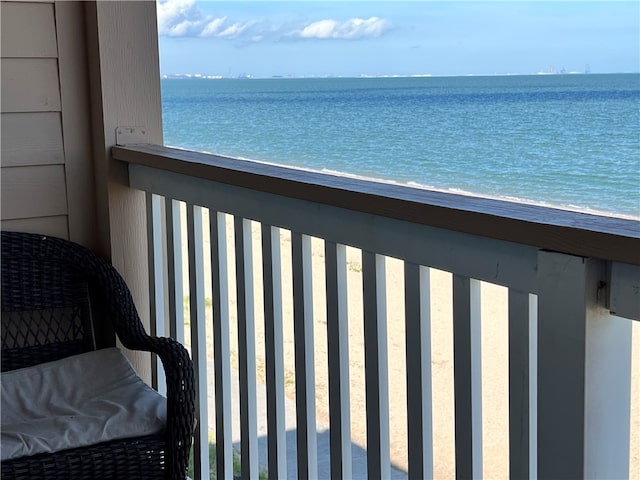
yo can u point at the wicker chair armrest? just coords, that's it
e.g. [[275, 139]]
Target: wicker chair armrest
[[180, 392]]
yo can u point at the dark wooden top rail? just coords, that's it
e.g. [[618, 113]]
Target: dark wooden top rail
[[577, 233]]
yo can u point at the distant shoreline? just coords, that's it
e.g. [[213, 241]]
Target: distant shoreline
[[200, 76]]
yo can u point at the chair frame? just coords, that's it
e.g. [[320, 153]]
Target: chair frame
[[44, 276]]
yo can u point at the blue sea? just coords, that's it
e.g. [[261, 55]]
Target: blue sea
[[565, 140]]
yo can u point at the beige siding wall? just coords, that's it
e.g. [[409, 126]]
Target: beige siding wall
[[72, 71], [46, 163]]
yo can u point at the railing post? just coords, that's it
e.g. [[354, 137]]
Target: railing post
[[607, 396], [338, 360], [221, 347], [274, 351], [155, 251], [174, 269], [419, 388], [522, 321], [563, 288], [307, 461], [376, 364], [467, 366], [198, 337], [246, 348], [583, 373]]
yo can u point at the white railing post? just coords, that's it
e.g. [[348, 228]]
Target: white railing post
[[221, 347], [155, 249], [338, 360], [607, 395], [304, 356], [272, 285], [533, 387], [246, 348], [584, 359], [467, 376], [563, 288], [174, 269], [417, 286], [376, 364], [198, 337], [519, 394]]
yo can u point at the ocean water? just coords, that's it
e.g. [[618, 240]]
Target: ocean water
[[566, 140]]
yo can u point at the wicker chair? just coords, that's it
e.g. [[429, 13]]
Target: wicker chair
[[60, 299]]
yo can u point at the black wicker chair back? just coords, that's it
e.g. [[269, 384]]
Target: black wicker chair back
[[51, 323], [56, 298]]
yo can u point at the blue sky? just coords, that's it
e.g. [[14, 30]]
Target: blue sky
[[339, 38]]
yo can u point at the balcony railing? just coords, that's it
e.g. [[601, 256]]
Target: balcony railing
[[228, 235]]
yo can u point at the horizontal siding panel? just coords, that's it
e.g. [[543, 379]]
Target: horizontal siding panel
[[33, 192], [30, 85], [31, 139], [52, 226], [28, 30]]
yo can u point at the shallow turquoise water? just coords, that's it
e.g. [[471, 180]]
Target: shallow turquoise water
[[568, 140]]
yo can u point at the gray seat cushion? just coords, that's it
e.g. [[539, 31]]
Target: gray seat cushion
[[74, 402]]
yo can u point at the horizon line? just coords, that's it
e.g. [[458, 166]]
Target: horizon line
[[417, 75]]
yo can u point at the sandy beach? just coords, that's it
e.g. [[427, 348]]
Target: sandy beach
[[494, 357]]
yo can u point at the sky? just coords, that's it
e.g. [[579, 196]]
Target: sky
[[352, 38]]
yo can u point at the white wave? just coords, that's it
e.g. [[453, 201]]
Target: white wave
[[448, 190]]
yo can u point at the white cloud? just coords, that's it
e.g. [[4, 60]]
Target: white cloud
[[353, 29], [179, 18], [321, 29], [213, 27], [184, 18], [236, 30]]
